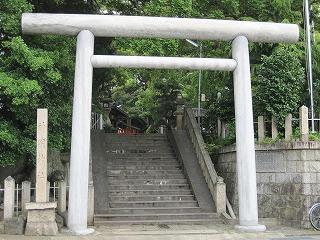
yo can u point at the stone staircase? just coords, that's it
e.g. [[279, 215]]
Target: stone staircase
[[140, 180]]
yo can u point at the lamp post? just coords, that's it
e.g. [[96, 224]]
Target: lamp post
[[309, 57], [198, 45]]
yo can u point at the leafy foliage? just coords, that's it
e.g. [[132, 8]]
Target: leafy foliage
[[278, 83]]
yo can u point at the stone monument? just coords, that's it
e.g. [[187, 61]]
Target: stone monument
[[41, 214]]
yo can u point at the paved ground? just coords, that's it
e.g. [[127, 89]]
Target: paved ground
[[181, 232]]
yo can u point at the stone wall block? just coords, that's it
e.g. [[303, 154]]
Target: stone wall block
[[317, 154], [293, 155], [306, 189], [266, 177], [282, 178], [300, 166], [309, 177], [291, 166], [312, 166]]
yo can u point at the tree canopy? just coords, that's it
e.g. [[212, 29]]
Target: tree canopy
[[38, 71]]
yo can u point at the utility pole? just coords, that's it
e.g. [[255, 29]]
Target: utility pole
[[198, 45], [309, 57]]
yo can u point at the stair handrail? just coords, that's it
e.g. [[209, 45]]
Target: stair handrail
[[205, 162], [197, 140]]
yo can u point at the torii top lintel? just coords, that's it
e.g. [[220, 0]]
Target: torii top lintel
[[158, 27]]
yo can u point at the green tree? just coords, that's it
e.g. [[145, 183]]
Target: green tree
[[278, 84], [35, 72]]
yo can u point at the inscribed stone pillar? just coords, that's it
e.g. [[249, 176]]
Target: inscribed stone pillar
[[288, 127], [246, 165], [8, 201], [41, 214], [41, 167], [274, 129], [261, 129], [303, 123]]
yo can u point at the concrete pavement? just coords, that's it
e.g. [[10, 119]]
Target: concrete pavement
[[181, 232]]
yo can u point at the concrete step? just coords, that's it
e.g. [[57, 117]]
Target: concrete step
[[149, 192], [139, 151], [141, 145], [146, 176], [142, 172], [149, 187], [145, 167], [142, 163], [135, 140], [160, 216], [140, 158], [147, 181], [152, 210], [165, 221], [152, 198], [144, 155], [145, 204]]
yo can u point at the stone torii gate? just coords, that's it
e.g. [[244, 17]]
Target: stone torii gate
[[86, 27]]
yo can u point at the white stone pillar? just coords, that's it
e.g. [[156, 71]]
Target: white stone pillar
[[274, 129], [246, 165], [80, 140], [62, 197], [288, 127], [90, 205], [219, 127], [8, 201], [25, 197], [223, 130], [261, 129], [304, 123]]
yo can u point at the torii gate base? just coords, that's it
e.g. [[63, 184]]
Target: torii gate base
[[88, 26]]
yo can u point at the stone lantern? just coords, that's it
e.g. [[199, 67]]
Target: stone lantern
[[106, 104], [179, 112]]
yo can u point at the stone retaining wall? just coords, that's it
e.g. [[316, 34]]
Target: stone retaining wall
[[288, 179]]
